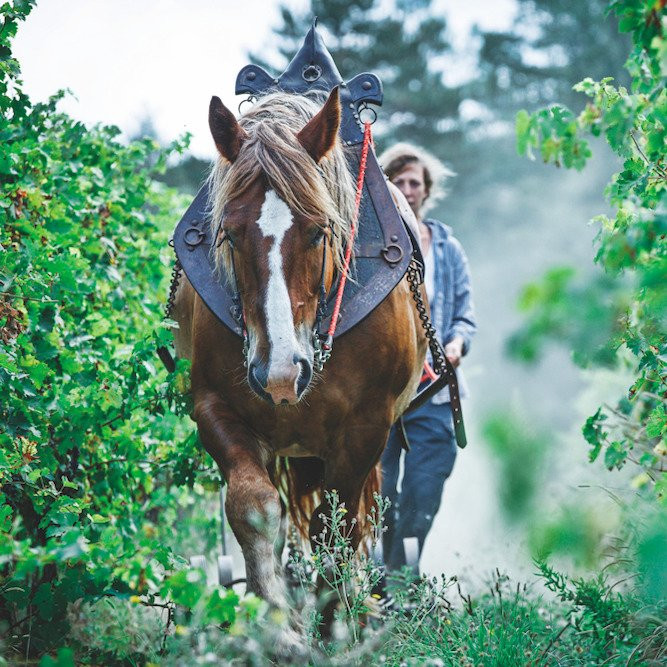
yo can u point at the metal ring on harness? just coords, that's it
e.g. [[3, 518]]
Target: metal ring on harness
[[364, 107], [251, 99], [311, 73], [194, 236], [392, 248]]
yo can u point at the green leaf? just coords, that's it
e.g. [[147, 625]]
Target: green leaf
[[99, 325], [64, 658], [186, 587], [5, 516], [656, 424], [43, 601], [523, 127], [221, 606], [615, 455]]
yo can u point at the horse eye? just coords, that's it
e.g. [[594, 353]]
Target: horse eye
[[317, 237]]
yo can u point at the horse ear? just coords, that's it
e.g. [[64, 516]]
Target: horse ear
[[318, 136], [227, 133]]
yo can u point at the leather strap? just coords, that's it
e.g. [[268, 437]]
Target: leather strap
[[446, 379], [402, 434]]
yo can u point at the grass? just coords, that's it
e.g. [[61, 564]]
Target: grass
[[553, 620], [434, 622]]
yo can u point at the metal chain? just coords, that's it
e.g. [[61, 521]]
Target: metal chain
[[441, 364], [415, 278], [175, 277]]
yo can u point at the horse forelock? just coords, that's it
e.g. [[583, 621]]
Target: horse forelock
[[324, 191]]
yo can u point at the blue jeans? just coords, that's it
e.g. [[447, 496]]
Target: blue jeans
[[427, 465]]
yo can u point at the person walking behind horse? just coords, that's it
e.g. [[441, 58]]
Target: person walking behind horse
[[429, 429]]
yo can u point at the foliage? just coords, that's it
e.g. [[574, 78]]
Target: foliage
[[95, 470], [586, 624], [520, 453], [349, 578], [588, 621], [616, 625], [622, 314]]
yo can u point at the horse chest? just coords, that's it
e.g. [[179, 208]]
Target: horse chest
[[296, 437]]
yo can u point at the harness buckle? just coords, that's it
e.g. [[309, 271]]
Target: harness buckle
[[322, 350]]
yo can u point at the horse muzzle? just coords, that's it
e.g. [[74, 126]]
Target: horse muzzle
[[284, 385]]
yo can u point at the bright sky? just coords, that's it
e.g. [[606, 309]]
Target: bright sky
[[125, 60]]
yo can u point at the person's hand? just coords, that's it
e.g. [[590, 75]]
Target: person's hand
[[454, 350]]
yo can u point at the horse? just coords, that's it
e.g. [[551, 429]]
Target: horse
[[282, 205]]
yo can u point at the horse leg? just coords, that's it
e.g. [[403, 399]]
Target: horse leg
[[329, 597], [252, 503], [347, 475], [347, 470], [253, 509]]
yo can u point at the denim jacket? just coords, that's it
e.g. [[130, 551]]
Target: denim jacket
[[452, 308]]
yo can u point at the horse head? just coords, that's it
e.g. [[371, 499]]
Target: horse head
[[275, 227]]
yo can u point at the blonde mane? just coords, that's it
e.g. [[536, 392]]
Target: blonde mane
[[317, 191]]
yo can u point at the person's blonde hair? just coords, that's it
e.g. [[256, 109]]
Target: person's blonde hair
[[396, 158]]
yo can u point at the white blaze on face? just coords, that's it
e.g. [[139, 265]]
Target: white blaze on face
[[274, 221]]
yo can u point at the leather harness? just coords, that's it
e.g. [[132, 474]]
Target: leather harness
[[383, 251]]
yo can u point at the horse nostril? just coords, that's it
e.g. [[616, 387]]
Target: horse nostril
[[260, 378], [304, 377]]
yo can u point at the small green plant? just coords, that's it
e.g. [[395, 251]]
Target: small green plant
[[350, 576], [608, 624]]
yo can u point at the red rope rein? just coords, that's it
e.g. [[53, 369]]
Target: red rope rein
[[368, 140]]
